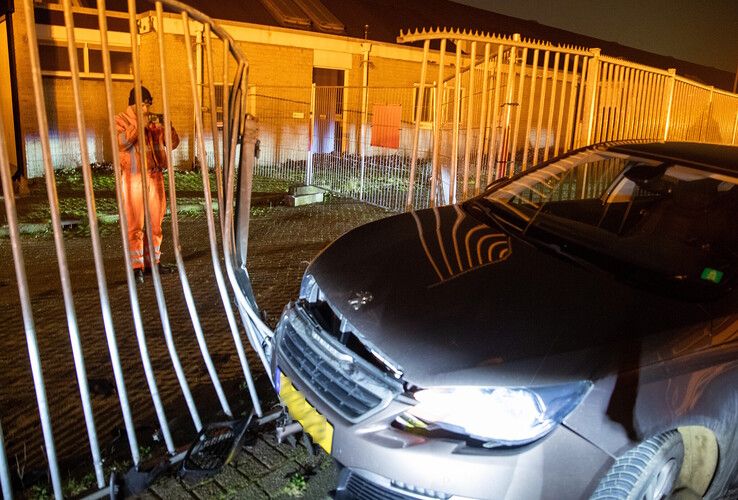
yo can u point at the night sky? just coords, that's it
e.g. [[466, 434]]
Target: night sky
[[703, 32]]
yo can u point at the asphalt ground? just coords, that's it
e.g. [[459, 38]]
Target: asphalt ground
[[282, 242]]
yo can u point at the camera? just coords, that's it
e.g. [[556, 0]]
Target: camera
[[156, 118]]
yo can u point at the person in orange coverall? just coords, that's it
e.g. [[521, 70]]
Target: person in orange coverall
[[131, 170]]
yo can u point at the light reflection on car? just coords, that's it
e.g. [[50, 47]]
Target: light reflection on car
[[567, 326]]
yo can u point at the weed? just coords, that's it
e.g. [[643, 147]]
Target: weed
[[74, 487], [296, 486], [38, 492]]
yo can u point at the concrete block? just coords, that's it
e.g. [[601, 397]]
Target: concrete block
[[305, 199]]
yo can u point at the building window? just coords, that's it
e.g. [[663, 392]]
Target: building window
[[55, 61], [220, 97], [429, 104]]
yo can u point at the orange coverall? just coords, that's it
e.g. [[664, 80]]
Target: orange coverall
[[133, 196]]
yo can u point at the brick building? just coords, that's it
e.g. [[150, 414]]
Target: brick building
[[333, 43]]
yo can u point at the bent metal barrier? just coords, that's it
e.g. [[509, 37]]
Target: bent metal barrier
[[233, 158]]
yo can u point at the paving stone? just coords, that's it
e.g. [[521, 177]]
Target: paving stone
[[277, 482], [249, 492], [168, 488], [208, 490], [251, 468], [230, 479], [147, 495], [266, 454]]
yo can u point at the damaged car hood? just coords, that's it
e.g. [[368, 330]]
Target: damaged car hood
[[528, 316]]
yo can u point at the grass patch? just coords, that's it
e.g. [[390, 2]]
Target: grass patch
[[296, 486]]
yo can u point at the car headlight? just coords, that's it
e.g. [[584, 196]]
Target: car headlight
[[309, 289], [497, 416]]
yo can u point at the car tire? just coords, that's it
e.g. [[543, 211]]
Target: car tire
[[647, 472]]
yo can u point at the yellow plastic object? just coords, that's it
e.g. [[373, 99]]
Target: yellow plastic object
[[315, 424]]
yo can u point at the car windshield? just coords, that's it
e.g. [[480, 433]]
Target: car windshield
[[661, 224]]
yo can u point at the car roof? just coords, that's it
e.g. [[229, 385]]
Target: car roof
[[711, 155]]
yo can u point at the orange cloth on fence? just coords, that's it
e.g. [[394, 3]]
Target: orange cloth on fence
[[133, 193]]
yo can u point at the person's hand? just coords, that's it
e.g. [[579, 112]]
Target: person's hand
[[131, 132]]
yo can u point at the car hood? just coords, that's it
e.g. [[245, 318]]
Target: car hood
[[451, 300]]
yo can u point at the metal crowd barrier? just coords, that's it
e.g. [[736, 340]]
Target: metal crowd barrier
[[234, 159]]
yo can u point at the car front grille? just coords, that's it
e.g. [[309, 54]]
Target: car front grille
[[350, 386], [357, 487]]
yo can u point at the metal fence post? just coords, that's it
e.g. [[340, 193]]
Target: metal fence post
[[735, 128], [592, 93], [436, 158], [670, 102], [311, 131], [457, 115], [366, 48], [418, 117], [703, 125]]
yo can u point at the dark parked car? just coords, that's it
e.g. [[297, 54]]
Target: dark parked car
[[570, 333]]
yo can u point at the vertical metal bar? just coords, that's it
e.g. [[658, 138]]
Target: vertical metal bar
[[436, 163], [678, 112], [97, 250], [133, 294], [564, 77], [657, 102], [4, 471], [518, 110], [578, 132], [629, 109], [617, 99], [189, 299], [364, 118], [311, 133], [213, 123], [638, 118], [209, 212], [531, 100], [509, 93], [541, 106], [623, 106], [483, 117], [554, 87], [226, 105], [160, 300], [606, 76], [416, 132], [74, 336], [252, 322], [455, 133], [593, 92], [469, 119], [647, 105], [572, 105], [735, 128], [708, 114], [496, 133], [24, 295], [228, 244]]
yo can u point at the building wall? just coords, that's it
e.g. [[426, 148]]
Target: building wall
[[6, 99], [179, 90], [62, 118], [26, 103]]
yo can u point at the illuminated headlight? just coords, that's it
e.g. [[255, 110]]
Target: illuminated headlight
[[309, 289], [497, 416]]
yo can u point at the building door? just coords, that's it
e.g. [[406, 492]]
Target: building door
[[327, 119]]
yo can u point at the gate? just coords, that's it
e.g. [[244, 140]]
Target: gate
[[516, 102]]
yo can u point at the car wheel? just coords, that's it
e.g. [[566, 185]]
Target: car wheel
[[647, 472]]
